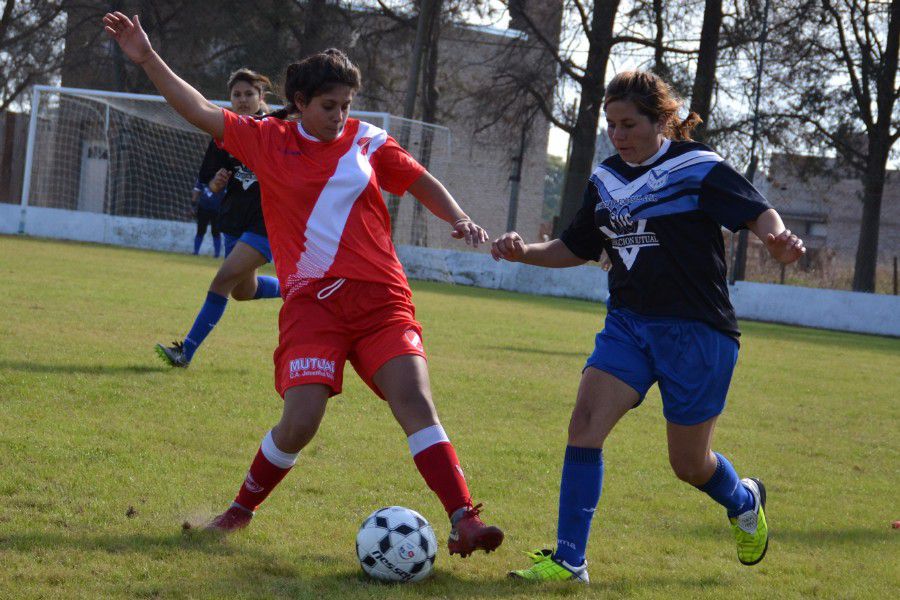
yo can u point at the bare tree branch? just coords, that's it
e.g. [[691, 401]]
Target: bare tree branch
[[865, 110], [585, 18], [5, 20], [567, 66]]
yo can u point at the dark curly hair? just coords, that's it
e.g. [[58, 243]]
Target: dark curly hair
[[315, 75]]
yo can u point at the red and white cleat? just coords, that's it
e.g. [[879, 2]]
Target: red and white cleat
[[470, 533], [232, 519]]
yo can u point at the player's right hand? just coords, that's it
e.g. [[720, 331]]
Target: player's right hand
[[219, 181], [130, 36], [509, 246]]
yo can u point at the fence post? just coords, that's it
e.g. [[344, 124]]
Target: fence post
[[29, 154], [895, 275]]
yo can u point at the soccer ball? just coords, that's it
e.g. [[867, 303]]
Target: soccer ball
[[396, 544]]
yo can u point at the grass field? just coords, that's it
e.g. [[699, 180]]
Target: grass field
[[104, 452]]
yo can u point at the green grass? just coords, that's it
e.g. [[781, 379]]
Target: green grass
[[93, 428]]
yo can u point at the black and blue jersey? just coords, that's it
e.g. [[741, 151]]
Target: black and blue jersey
[[241, 208], [660, 223]]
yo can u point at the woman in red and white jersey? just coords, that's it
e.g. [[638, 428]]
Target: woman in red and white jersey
[[346, 295]]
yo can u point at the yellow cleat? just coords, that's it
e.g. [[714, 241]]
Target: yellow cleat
[[548, 568], [750, 528]]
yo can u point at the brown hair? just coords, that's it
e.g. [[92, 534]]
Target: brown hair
[[655, 99], [262, 83], [317, 74]]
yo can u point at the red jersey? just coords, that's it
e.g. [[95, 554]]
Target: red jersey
[[322, 201]]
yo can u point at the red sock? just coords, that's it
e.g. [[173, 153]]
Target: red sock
[[261, 479], [440, 469]]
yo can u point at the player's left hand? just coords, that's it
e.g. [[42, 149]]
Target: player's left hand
[[785, 247], [130, 36], [467, 229]]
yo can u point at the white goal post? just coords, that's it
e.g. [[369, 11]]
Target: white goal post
[[118, 168]]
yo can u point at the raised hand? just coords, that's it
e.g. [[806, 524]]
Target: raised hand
[[509, 246], [473, 233], [130, 36], [785, 247]]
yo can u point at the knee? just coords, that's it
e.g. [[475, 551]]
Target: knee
[[240, 294], [292, 435], [690, 470], [223, 279], [224, 282], [582, 433], [413, 410]]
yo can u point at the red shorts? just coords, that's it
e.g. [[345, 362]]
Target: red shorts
[[334, 320]]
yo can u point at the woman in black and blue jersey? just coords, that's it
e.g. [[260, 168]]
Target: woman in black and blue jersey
[[656, 208], [223, 178]]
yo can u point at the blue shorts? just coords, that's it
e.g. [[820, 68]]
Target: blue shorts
[[692, 362], [260, 243]]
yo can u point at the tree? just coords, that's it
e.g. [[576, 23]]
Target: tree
[[522, 81], [31, 46], [838, 73], [595, 22], [705, 78]]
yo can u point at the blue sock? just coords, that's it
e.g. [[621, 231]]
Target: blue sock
[[725, 487], [579, 493], [206, 320], [267, 287], [198, 241], [217, 245]]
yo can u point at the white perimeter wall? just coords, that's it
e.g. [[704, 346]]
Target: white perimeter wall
[[153, 234], [810, 307]]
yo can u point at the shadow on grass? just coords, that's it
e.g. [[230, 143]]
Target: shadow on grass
[[821, 337], [467, 291], [243, 570], [542, 351], [32, 367], [816, 538], [114, 544]]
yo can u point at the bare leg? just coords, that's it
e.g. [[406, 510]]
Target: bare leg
[[237, 275]]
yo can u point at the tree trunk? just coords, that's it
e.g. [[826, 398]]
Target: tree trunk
[[659, 60], [584, 138], [879, 147], [705, 78], [429, 113], [426, 10], [315, 18], [873, 189]]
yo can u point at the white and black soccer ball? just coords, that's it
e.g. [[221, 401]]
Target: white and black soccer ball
[[396, 544]]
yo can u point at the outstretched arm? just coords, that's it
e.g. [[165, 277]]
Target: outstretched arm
[[186, 101], [510, 246], [784, 246], [435, 197]]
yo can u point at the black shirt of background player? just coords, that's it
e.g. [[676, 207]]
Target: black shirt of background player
[[677, 267], [241, 207]]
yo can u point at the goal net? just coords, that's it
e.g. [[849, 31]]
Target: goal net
[[130, 156]]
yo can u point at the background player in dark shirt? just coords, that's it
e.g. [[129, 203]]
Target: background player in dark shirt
[[241, 220], [657, 209], [207, 206]]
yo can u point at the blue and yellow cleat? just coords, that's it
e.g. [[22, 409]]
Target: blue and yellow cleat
[[548, 568], [750, 528]]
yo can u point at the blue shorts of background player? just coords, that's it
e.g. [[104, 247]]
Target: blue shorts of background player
[[260, 243], [691, 361]]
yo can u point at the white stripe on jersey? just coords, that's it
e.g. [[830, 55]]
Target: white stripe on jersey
[[620, 190], [325, 225]]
